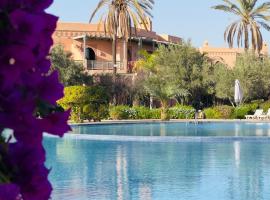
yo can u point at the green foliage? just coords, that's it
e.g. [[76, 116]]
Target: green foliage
[[70, 72], [212, 113], [143, 112], [228, 112], [96, 112], [182, 112], [120, 112], [251, 16], [74, 95], [91, 103], [253, 73], [177, 71], [265, 106], [245, 109], [224, 82], [225, 111], [219, 112], [137, 112], [155, 113]]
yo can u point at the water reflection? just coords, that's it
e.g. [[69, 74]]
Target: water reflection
[[178, 129], [237, 153], [84, 170]]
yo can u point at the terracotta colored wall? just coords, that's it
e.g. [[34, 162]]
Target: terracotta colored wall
[[226, 55], [70, 35]]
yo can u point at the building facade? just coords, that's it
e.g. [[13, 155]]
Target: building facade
[[90, 45], [226, 56]]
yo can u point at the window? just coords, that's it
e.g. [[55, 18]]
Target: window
[[90, 54]]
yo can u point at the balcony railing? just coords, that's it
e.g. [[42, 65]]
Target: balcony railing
[[103, 65]]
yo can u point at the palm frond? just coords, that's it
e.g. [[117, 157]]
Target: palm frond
[[247, 28]]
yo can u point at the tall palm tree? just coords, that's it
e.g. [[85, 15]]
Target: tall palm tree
[[120, 18], [251, 17]]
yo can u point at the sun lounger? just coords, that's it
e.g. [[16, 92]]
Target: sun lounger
[[256, 115], [265, 116]]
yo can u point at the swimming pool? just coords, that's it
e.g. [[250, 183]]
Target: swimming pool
[[84, 169], [177, 129]]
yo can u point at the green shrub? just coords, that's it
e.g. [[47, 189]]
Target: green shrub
[[85, 102], [265, 106], [228, 112], [142, 112], [219, 112], [138, 112], [95, 112], [155, 113], [119, 112], [182, 112], [212, 113], [224, 111], [245, 109]]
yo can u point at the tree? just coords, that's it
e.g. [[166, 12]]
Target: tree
[[70, 72], [253, 73], [176, 72], [224, 83], [86, 102], [121, 17], [252, 17]]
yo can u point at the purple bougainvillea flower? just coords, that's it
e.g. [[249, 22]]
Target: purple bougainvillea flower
[[25, 32], [45, 39], [14, 56], [27, 27], [32, 175], [43, 66], [53, 123], [50, 89], [9, 192], [13, 62]]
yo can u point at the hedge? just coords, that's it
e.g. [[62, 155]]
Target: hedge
[[86, 103], [141, 112]]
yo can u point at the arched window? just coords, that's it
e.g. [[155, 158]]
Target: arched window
[[90, 54]]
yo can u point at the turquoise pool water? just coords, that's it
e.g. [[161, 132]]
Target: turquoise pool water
[[83, 169], [177, 129]]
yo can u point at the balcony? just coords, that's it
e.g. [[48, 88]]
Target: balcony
[[103, 65]]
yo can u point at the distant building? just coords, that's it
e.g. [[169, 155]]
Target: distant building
[[226, 55], [90, 45]]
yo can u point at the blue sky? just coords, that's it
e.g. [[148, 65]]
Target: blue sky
[[191, 19]]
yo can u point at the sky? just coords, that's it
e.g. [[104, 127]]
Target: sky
[[191, 19]]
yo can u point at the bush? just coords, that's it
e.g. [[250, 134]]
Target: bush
[[245, 109], [119, 112], [182, 112], [212, 113], [225, 111], [137, 112], [141, 112], [91, 103], [97, 106], [219, 112], [265, 106], [155, 113]]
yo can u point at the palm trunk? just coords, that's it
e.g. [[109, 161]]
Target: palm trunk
[[246, 41], [114, 47], [125, 57], [165, 110]]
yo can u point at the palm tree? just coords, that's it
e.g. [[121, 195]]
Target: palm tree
[[251, 17], [120, 18]]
